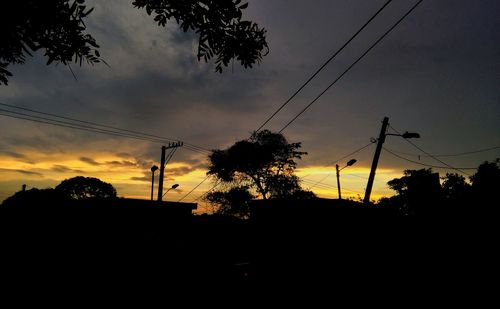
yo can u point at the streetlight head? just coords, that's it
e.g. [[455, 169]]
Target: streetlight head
[[410, 135], [175, 186], [154, 168], [351, 162]]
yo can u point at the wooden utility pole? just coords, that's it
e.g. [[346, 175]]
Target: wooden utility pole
[[162, 166], [338, 181], [380, 141]]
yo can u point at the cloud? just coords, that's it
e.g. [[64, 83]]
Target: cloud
[[64, 169], [147, 178], [180, 171], [14, 154], [143, 178], [89, 161], [124, 163], [25, 172], [437, 74]]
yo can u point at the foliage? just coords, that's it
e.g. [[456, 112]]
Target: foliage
[[222, 32], [418, 190], [486, 181], [55, 26], [80, 188], [455, 187], [234, 202], [58, 28], [264, 162], [32, 197]]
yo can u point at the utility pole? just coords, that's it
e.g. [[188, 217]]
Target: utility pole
[[338, 181], [162, 166], [162, 170], [381, 140]]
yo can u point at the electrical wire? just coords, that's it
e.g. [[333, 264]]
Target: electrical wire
[[324, 65], [196, 187], [66, 124], [101, 125], [429, 165], [352, 65], [321, 68], [432, 156], [448, 155], [342, 158]]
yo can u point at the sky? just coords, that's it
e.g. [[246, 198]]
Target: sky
[[437, 73]]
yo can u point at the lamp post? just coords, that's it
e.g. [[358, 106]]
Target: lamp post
[[173, 187], [376, 156], [349, 163], [154, 168]]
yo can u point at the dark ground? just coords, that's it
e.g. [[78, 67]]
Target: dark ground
[[87, 251]]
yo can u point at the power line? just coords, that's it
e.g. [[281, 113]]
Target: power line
[[210, 190], [449, 155], [89, 126], [187, 194], [334, 162], [352, 65], [352, 153], [326, 186], [170, 155], [99, 125], [432, 156], [429, 165], [73, 127], [321, 68], [64, 124], [324, 65], [358, 176]]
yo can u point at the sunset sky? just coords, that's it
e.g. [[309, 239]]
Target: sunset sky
[[437, 74]]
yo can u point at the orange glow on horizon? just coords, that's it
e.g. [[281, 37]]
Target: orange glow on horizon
[[132, 181]]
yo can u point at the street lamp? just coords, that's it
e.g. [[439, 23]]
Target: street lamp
[[349, 163], [173, 187], [154, 168], [378, 150], [406, 135]]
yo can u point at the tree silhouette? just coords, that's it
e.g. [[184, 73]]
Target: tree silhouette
[[418, 191], [486, 183], [234, 202], [53, 25], [81, 188], [455, 188], [265, 162], [57, 27]]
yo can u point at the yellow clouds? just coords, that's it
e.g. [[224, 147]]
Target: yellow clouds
[[130, 176]]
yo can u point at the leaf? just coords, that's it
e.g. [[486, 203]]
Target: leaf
[[243, 6]]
